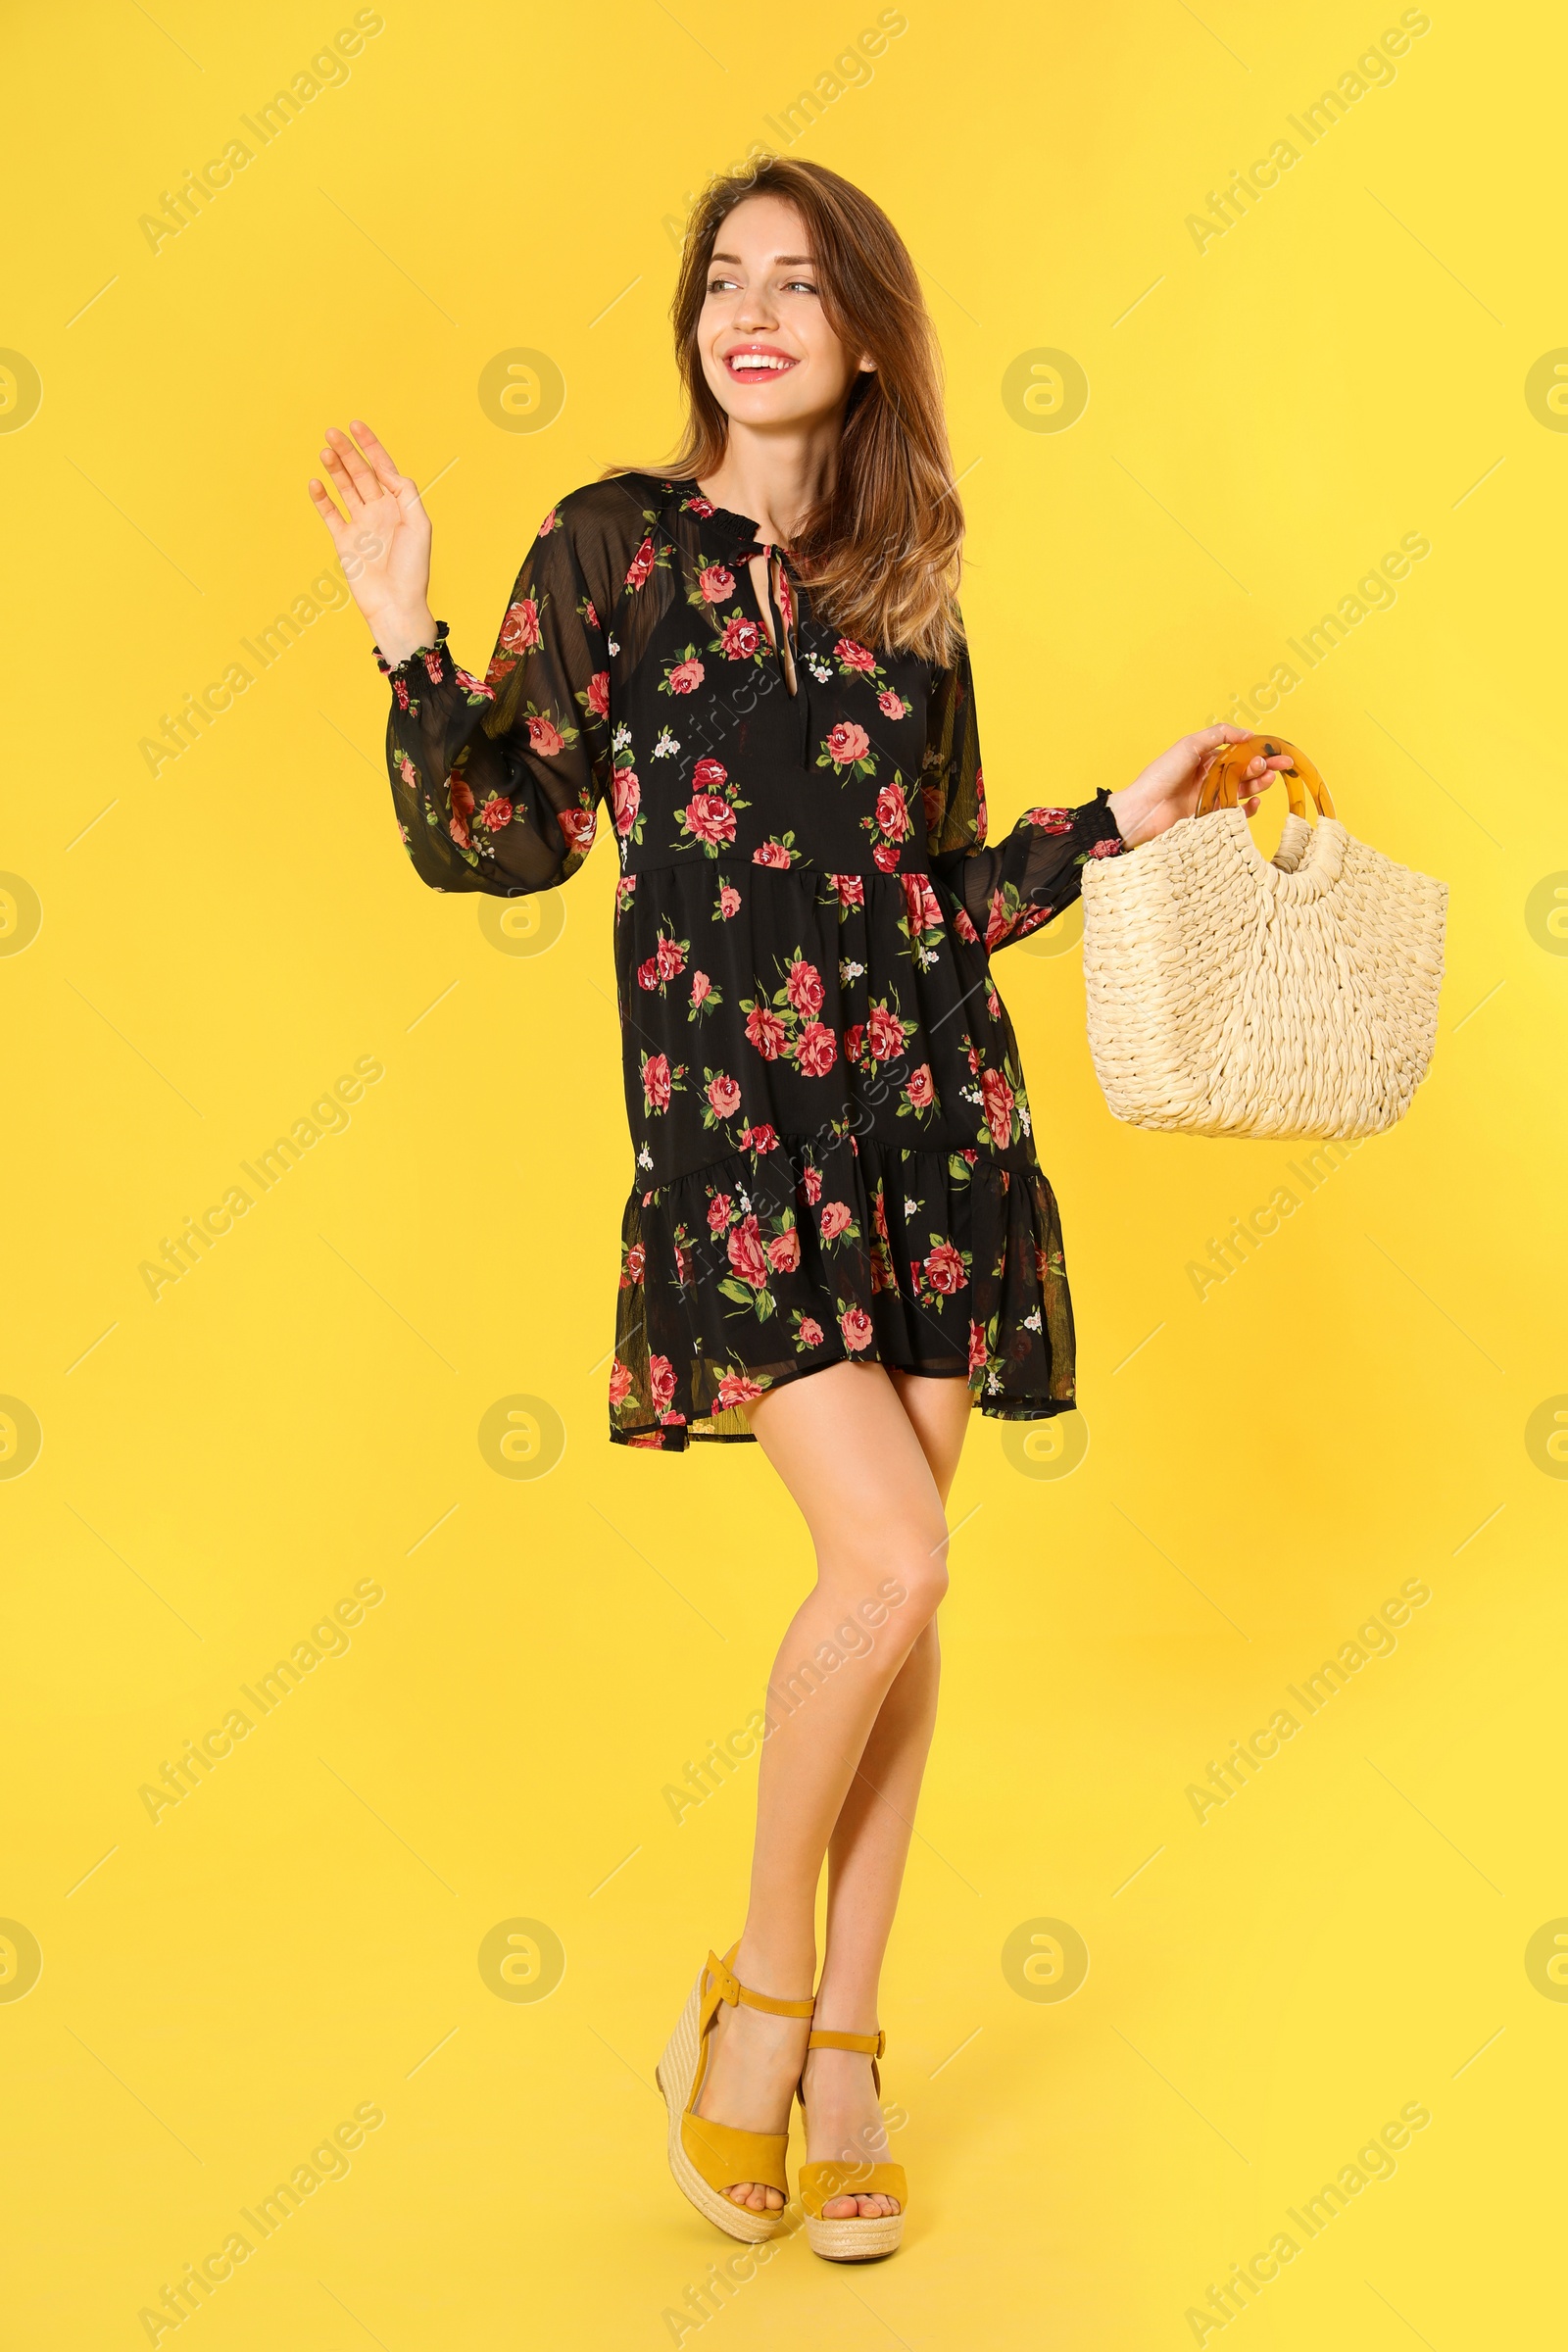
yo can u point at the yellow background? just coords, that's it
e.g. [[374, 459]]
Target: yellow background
[[301, 1411]]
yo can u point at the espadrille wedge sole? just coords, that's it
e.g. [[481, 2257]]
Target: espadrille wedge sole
[[706, 2157], [855, 2238]]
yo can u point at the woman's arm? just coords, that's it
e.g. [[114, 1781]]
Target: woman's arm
[[1036, 871], [495, 784]]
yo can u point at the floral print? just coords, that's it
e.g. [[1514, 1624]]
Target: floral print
[[834, 1151]]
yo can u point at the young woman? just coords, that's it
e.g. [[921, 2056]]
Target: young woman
[[839, 1240]]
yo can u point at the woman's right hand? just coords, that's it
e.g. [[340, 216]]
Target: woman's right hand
[[382, 543]]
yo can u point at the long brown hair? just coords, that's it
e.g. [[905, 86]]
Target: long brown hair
[[880, 551]]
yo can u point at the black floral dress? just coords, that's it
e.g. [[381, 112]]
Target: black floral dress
[[834, 1153]]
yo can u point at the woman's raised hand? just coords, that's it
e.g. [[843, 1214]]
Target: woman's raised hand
[[382, 540], [1168, 787]]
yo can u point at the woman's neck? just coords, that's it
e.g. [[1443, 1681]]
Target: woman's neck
[[775, 479]]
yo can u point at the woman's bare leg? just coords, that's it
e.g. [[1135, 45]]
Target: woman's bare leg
[[867, 1850], [848, 1452]]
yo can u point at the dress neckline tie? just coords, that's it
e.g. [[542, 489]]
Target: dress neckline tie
[[783, 570]]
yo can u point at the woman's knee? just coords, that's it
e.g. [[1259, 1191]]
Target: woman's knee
[[895, 1582]]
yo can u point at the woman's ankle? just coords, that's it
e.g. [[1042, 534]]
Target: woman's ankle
[[782, 1967]]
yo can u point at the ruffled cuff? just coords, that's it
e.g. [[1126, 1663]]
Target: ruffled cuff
[[432, 658]]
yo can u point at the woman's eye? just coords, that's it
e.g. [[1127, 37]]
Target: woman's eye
[[800, 285]]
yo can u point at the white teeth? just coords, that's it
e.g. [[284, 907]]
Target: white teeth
[[753, 360]]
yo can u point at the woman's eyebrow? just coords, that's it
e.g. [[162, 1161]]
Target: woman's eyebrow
[[779, 258]]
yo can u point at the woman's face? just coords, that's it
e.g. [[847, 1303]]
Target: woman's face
[[768, 351]]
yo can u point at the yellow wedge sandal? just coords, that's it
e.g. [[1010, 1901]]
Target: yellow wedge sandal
[[856, 2237], [706, 2157]]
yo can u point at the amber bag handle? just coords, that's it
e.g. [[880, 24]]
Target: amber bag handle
[[1225, 784]]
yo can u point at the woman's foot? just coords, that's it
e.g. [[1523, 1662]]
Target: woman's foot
[[844, 2126], [753, 2064]]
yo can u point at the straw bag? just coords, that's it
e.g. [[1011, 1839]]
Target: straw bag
[[1228, 993]]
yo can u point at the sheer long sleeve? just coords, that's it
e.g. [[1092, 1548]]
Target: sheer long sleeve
[[496, 784], [1036, 871]]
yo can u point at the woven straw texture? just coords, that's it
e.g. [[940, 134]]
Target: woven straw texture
[[1232, 994]]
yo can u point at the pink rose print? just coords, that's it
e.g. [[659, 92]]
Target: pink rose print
[[710, 776], [996, 920], [784, 1251], [925, 907], [851, 889], [886, 856], [811, 1185], [943, 1269], [636, 1259], [718, 1213], [817, 1050], [550, 523], [734, 1389], [964, 928], [891, 705], [577, 827], [765, 1031], [846, 743], [407, 771], [977, 1349], [590, 615], [729, 900], [747, 1254], [648, 974], [853, 1040], [495, 813], [625, 799], [920, 1090], [599, 694], [544, 737], [740, 641], [642, 564], [811, 1333], [802, 984], [457, 828], [1107, 848], [462, 797], [708, 818], [724, 1095], [852, 656], [661, 1380], [885, 1034], [772, 853], [835, 1219], [700, 985], [696, 505], [996, 1096], [1049, 820], [892, 811], [715, 584], [667, 955], [655, 1081], [519, 631], [855, 1325], [759, 1139], [685, 677], [619, 1383]]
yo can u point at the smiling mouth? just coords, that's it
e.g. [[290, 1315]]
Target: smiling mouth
[[757, 367]]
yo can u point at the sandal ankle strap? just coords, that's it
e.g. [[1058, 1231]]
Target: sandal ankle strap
[[728, 1987], [869, 2045]]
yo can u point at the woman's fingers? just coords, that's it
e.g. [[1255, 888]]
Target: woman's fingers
[[327, 512], [361, 475], [342, 481], [377, 451]]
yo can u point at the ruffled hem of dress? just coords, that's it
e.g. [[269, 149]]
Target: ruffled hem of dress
[[704, 1433], [760, 1269]]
